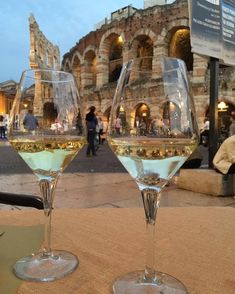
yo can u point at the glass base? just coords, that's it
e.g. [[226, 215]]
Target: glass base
[[135, 283], [43, 267]]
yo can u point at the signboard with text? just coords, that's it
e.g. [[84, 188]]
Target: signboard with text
[[228, 31], [213, 28]]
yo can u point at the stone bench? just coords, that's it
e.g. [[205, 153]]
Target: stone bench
[[206, 181]]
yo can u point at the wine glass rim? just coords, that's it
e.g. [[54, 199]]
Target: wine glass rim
[[43, 70]]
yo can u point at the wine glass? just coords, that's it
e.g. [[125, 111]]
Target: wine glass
[[158, 133], [43, 131]]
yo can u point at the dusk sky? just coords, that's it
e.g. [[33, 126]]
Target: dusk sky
[[62, 22]]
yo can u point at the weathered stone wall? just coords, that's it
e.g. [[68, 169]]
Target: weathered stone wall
[[43, 54]]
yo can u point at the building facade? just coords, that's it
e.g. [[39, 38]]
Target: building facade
[[158, 31], [7, 94]]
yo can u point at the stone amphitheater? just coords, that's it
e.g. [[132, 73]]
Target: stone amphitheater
[[157, 31]]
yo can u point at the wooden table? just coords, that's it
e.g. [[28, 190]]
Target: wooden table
[[196, 245]]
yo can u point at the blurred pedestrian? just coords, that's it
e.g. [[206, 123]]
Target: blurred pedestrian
[[143, 128], [118, 125], [91, 123], [79, 123], [101, 129], [30, 122], [204, 136]]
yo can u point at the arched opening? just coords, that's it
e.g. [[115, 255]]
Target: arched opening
[[172, 115], [49, 113], [115, 57], [180, 46], [142, 48], [121, 113], [90, 69], [47, 58], [76, 70], [55, 63], [40, 51], [106, 117], [66, 67], [142, 118]]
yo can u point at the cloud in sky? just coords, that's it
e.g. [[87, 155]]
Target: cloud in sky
[[62, 22]]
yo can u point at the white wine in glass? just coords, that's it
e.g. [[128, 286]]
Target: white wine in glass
[[43, 131], [153, 143]]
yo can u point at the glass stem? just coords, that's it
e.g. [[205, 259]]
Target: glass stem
[[47, 189], [151, 201]]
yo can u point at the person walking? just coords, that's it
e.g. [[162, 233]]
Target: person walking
[[91, 123], [118, 125], [101, 129], [30, 122], [2, 127], [143, 128]]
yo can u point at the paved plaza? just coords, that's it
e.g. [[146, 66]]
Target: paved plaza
[[99, 181]]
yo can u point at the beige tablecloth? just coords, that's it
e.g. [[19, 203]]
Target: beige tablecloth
[[196, 245]]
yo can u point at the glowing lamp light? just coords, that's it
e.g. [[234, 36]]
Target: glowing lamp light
[[222, 106], [172, 106], [120, 40], [121, 109]]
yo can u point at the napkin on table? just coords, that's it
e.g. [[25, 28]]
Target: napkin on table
[[18, 241]]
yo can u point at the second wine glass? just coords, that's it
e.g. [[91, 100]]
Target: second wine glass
[[43, 130], [152, 131]]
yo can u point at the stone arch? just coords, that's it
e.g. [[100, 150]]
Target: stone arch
[[76, 55], [146, 32], [180, 46], [140, 112], [142, 46], [171, 114], [76, 67], [49, 113], [143, 38], [116, 31], [89, 67], [89, 48], [175, 39], [165, 35], [40, 50], [67, 65], [110, 55]]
